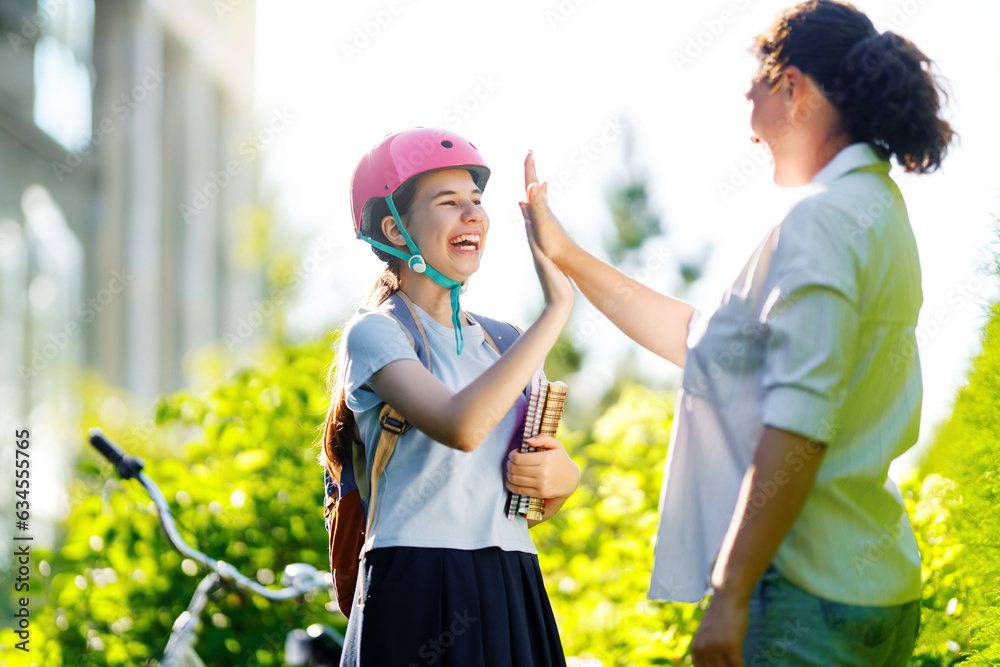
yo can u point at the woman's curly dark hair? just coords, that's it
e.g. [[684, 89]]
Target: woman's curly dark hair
[[881, 84]]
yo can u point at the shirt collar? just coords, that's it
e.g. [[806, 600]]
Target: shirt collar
[[855, 156]]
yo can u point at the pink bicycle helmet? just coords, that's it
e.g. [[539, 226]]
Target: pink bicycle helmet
[[403, 155]]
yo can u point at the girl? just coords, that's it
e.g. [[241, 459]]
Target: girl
[[804, 383], [447, 578]]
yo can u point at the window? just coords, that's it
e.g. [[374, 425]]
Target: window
[[63, 71]]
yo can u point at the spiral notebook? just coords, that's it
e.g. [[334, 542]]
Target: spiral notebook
[[545, 408]]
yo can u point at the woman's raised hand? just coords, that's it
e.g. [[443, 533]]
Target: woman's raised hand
[[542, 224]]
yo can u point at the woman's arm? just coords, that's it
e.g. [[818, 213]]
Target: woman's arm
[[656, 321], [463, 419], [550, 474], [789, 463]]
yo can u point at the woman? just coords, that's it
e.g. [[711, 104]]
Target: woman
[[802, 386], [448, 578]]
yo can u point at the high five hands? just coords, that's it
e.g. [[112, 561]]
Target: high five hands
[[556, 287]]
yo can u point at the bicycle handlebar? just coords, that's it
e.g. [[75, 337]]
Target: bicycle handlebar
[[127, 466], [304, 578]]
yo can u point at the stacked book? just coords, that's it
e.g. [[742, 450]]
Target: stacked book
[[545, 408]]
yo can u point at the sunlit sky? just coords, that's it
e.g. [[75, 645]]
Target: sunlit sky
[[561, 78]]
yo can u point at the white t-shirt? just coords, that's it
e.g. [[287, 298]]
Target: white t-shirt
[[432, 495], [817, 337]]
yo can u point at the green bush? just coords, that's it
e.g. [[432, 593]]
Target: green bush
[[238, 469], [237, 465], [597, 553], [965, 454]]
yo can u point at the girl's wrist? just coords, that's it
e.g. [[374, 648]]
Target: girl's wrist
[[558, 310]]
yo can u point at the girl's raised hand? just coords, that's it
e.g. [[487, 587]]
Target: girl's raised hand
[[542, 223], [556, 287]]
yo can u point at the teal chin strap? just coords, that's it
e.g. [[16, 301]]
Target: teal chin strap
[[416, 262]]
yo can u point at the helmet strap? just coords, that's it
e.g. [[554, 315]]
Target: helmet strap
[[416, 262]]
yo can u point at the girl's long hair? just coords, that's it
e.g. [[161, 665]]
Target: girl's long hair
[[339, 427], [881, 84]]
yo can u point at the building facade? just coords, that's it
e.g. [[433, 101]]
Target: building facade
[[123, 190]]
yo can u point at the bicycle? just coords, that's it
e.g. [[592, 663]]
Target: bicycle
[[317, 646]]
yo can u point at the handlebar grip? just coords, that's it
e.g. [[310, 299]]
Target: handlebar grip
[[128, 466]]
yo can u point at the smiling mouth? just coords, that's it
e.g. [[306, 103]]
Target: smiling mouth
[[466, 242]]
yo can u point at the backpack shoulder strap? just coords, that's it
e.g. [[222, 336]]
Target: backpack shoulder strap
[[499, 335], [400, 308]]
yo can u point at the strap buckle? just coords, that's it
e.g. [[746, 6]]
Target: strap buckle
[[392, 421]]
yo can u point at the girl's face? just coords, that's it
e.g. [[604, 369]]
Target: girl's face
[[447, 222]]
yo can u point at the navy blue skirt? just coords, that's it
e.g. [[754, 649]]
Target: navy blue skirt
[[452, 608]]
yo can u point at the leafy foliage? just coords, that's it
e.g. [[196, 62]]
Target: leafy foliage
[[564, 358], [634, 221], [238, 468], [965, 453], [237, 465], [943, 632], [597, 553]]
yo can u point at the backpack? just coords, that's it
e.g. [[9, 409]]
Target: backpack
[[351, 491]]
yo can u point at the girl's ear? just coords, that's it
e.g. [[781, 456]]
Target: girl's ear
[[391, 231]]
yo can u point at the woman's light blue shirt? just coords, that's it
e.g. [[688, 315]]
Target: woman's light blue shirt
[[816, 336]]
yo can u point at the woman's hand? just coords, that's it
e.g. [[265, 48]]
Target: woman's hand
[[550, 473], [542, 224], [719, 639]]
